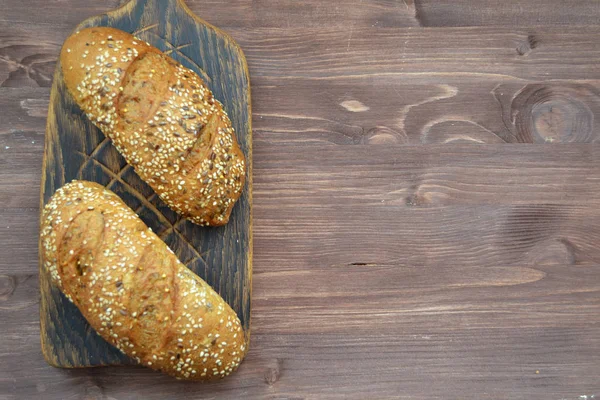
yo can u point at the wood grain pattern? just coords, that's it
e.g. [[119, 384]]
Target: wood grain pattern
[[439, 86], [76, 149], [242, 13], [385, 266], [352, 13], [541, 53], [507, 12], [476, 265]]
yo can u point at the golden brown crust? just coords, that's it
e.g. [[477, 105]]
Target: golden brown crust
[[133, 290], [161, 117]]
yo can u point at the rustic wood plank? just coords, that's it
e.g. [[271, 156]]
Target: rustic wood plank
[[309, 14], [513, 13], [377, 111], [490, 337], [247, 14], [22, 128], [332, 54], [465, 274], [429, 109], [76, 149], [19, 226], [432, 107], [426, 86], [28, 56], [317, 14], [481, 205], [440, 85], [56, 14]]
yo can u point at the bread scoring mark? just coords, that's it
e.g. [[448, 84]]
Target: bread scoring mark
[[204, 192], [176, 49]]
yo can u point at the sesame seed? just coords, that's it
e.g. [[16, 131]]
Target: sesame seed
[[209, 188]]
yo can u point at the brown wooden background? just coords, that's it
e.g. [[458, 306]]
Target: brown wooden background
[[426, 200]]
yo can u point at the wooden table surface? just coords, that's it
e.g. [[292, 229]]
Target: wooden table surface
[[426, 193]]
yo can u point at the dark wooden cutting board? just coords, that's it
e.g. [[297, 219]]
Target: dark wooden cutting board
[[76, 149]]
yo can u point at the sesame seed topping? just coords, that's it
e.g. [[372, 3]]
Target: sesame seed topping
[[189, 155]]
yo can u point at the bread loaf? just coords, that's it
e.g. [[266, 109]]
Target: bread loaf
[[161, 117], [133, 290]]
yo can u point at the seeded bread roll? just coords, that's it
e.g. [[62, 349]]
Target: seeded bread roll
[[161, 117], [133, 290]]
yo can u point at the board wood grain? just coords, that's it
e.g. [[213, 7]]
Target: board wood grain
[[76, 149]]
